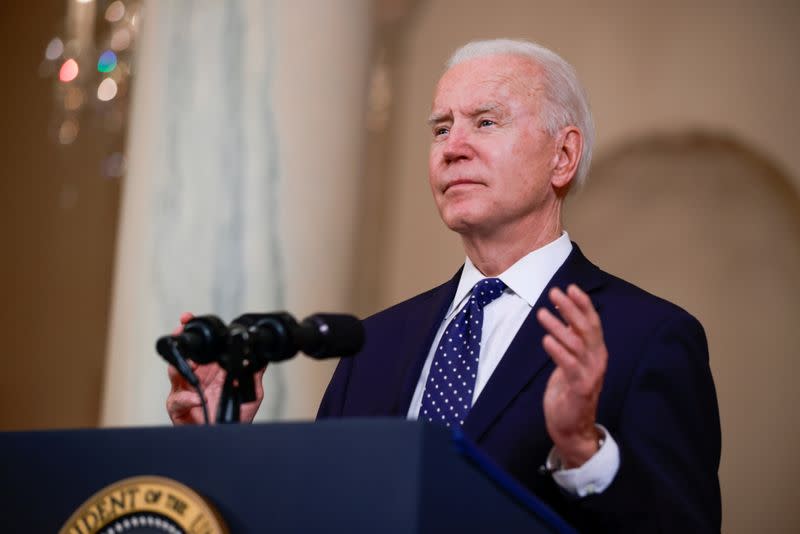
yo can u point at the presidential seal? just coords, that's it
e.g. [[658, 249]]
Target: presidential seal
[[147, 504]]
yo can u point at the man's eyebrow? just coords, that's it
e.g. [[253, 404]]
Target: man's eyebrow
[[436, 118], [488, 107]]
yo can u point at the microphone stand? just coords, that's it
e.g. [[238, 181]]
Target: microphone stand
[[230, 402], [240, 368], [253, 341]]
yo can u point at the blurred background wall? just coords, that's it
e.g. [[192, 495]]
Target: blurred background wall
[[693, 195], [57, 228]]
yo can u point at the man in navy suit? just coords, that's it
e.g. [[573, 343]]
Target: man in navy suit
[[593, 393]]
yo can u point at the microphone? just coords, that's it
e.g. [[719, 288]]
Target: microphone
[[252, 341], [262, 338], [274, 337], [202, 340], [331, 335]]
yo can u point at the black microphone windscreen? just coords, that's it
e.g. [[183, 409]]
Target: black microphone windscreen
[[164, 348], [203, 339], [339, 335]]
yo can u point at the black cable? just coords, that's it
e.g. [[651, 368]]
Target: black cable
[[187, 373]]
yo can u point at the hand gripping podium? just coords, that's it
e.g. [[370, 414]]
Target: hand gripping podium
[[356, 475]]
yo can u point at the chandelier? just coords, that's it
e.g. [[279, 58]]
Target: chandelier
[[90, 64]]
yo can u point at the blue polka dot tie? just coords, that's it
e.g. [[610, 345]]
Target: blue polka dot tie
[[448, 392]]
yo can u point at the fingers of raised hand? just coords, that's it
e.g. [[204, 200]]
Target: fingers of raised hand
[[563, 358], [577, 346], [584, 303], [569, 310], [562, 333], [577, 309]]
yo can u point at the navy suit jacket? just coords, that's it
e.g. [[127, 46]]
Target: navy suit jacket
[[658, 401]]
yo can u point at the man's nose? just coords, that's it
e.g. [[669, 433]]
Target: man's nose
[[458, 145]]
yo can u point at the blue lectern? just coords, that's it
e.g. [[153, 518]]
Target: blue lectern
[[357, 475]]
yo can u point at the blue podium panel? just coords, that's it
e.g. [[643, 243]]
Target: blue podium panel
[[357, 475]]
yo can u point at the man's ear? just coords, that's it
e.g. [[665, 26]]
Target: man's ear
[[569, 146]]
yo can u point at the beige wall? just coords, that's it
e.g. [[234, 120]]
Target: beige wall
[[57, 229]]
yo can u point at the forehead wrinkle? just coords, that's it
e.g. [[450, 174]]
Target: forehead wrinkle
[[523, 81], [526, 85], [487, 107]]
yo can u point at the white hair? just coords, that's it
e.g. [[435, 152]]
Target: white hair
[[567, 103]]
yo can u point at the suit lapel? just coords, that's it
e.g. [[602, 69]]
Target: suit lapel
[[525, 357], [421, 324]]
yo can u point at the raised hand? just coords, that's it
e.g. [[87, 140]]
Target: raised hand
[[183, 402], [577, 347]]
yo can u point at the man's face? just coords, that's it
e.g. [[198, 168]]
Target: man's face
[[490, 160]]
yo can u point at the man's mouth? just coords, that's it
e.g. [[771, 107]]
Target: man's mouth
[[460, 181]]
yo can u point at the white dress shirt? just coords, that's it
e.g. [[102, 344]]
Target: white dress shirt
[[502, 318]]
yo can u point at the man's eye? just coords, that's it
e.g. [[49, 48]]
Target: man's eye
[[485, 122], [441, 130]]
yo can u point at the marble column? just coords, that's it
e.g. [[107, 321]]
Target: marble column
[[242, 187]]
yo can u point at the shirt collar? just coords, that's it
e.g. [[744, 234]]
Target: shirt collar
[[527, 278]]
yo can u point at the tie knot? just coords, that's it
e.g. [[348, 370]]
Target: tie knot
[[487, 290]]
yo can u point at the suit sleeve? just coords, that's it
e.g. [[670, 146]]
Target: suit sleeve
[[669, 439]]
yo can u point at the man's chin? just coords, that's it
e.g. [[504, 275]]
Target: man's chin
[[464, 223]]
